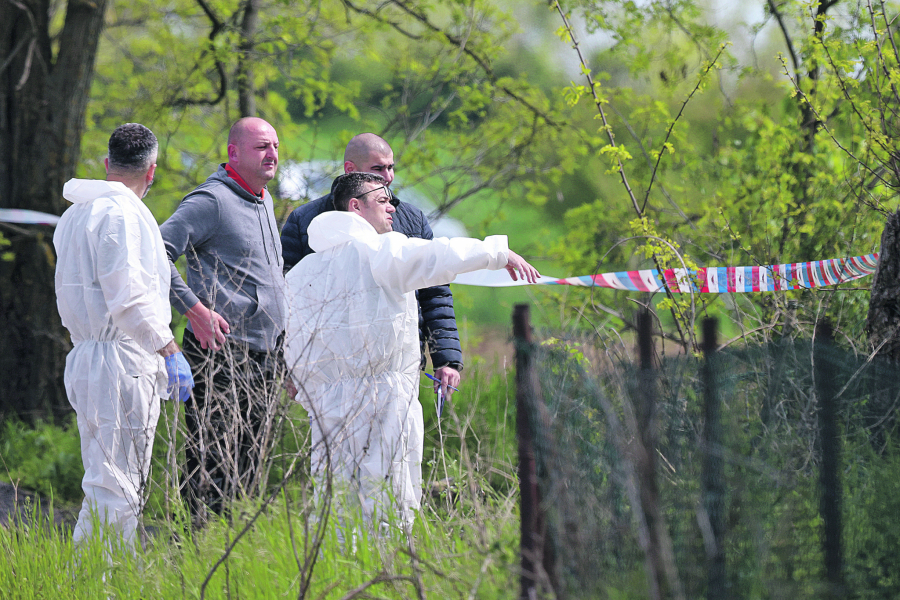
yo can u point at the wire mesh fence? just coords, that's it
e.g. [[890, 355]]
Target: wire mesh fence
[[716, 476]]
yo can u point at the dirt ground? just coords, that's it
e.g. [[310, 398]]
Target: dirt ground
[[494, 346], [16, 503]]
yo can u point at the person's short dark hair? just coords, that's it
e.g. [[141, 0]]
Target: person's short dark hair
[[132, 148], [351, 185]]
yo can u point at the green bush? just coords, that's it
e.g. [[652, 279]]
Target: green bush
[[871, 531], [45, 458]]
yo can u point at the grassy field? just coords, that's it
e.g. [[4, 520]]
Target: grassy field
[[467, 550], [464, 544], [464, 550]]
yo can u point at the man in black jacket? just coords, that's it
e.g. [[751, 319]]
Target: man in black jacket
[[368, 153]]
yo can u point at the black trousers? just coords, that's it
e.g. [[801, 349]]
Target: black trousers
[[229, 422]]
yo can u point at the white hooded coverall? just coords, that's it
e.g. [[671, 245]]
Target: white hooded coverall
[[112, 291], [352, 343]]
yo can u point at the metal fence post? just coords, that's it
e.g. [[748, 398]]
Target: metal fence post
[[829, 478], [645, 457], [529, 497], [713, 477]]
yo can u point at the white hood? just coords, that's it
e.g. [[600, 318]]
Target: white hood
[[334, 228], [82, 191]]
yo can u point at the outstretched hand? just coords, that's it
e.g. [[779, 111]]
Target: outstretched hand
[[525, 270], [209, 327]]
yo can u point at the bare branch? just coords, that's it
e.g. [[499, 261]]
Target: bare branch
[[787, 37], [218, 25], [357, 592], [21, 43], [662, 149], [823, 123], [637, 140], [686, 334], [599, 104]]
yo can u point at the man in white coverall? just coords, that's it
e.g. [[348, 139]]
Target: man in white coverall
[[352, 341], [112, 291]]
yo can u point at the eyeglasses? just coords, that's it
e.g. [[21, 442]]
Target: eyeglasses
[[380, 187]]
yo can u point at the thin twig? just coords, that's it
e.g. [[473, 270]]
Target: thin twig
[[684, 104]]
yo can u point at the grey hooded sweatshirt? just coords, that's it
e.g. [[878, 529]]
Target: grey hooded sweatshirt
[[230, 241]]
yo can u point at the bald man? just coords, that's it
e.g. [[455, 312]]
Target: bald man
[[234, 302], [369, 153]]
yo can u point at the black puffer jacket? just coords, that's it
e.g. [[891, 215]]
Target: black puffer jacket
[[437, 321]]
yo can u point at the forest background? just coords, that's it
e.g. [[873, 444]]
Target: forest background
[[600, 136]]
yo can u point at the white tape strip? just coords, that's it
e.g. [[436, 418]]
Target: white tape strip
[[27, 217], [499, 278]]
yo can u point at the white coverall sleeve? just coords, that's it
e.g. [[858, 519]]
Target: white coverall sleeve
[[126, 269], [407, 264]]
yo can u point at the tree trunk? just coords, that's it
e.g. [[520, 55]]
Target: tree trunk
[[246, 88], [43, 98], [883, 329], [883, 320]]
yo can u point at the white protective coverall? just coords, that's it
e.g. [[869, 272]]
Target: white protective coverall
[[352, 343], [112, 291]]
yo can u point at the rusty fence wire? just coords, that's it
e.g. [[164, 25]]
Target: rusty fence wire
[[714, 476]]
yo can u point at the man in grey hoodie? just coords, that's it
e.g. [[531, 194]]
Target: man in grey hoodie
[[233, 299]]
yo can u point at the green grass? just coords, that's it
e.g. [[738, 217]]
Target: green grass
[[462, 552], [464, 542]]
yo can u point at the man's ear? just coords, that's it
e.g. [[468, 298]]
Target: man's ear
[[354, 206], [151, 172], [106, 164], [232, 152], [349, 167]]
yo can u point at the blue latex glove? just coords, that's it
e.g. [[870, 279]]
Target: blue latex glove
[[180, 377]]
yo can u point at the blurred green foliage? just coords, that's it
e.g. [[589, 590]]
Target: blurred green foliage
[[769, 442], [872, 498], [45, 458]]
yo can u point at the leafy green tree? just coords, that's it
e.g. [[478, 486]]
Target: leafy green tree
[[669, 148], [719, 158]]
